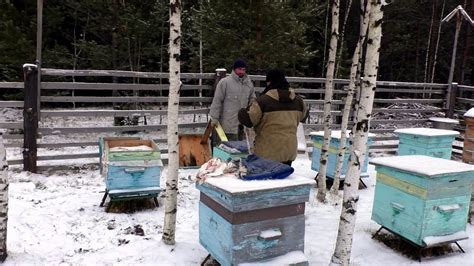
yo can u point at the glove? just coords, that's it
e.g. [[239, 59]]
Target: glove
[[214, 122]]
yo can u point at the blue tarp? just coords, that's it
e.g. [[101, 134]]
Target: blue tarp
[[259, 168]]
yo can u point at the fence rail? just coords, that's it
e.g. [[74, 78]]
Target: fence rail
[[396, 105]]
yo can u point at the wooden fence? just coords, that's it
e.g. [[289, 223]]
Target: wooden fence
[[55, 115]]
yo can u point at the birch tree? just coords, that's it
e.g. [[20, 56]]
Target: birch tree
[[3, 201], [342, 252], [343, 33], [349, 98], [321, 196], [169, 227]]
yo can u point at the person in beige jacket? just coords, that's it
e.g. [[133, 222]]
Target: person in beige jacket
[[232, 93], [275, 116]]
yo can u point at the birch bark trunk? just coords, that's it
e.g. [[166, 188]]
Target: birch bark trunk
[[348, 102], [169, 227], [321, 196], [3, 201], [342, 252]]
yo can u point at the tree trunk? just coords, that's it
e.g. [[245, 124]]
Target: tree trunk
[[433, 67], [3, 201], [326, 35], [343, 33], [169, 227], [321, 196], [342, 252], [467, 43], [428, 45], [348, 102]]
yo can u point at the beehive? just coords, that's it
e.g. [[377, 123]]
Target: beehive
[[426, 141], [131, 167], [250, 221], [423, 199], [318, 139]]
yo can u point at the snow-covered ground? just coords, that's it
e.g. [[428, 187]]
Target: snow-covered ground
[[55, 219]]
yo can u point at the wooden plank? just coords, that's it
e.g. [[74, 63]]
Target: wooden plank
[[13, 136], [465, 88], [269, 213], [12, 104], [100, 113], [115, 86], [464, 100], [119, 73], [409, 91], [11, 125], [409, 100], [390, 111], [128, 99], [397, 122], [12, 85], [383, 146], [71, 130]]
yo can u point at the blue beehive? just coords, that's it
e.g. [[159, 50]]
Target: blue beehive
[[249, 221], [426, 141], [318, 139], [423, 199], [131, 168]]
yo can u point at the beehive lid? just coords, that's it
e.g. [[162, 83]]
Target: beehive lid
[[131, 150], [335, 134], [423, 165], [234, 185], [428, 132], [469, 113]]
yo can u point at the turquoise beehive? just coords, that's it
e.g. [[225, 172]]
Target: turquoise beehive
[[426, 141], [318, 139], [131, 168], [423, 199], [252, 221]]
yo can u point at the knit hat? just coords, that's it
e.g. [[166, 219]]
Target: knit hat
[[239, 63], [276, 76]]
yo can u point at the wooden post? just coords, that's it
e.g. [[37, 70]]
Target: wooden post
[[451, 101], [30, 117], [3, 201], [220, 74], [450, 97]]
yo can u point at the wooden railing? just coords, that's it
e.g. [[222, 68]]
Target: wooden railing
[[397, 105]]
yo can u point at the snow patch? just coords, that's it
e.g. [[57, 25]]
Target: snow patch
[[423, 165], [469, 113], [429, 132], [434, 240]]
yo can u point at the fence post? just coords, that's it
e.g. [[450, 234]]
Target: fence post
[[3, 201], [30, 117], [220, 74], [451, 99]]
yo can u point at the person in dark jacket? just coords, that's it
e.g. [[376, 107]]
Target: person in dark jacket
[[275, 116]]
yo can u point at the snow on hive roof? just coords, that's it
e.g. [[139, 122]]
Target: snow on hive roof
[[232, 184], [430, 132], [335, 134], [444, 120], [423, 165], [469, 113]]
